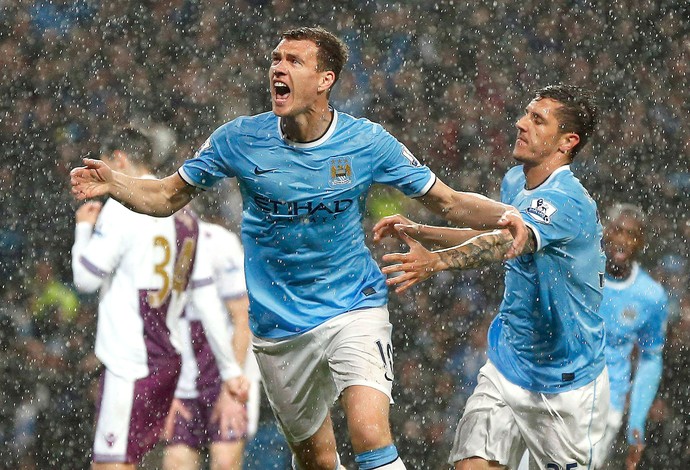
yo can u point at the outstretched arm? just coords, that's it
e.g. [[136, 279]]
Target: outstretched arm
[[419, 263], [429, 235], [477, 212], [159, 198]]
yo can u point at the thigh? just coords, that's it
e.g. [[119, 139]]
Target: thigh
[[561, 430], [359, 350], [190, 432], [297, 381], [488, 429]]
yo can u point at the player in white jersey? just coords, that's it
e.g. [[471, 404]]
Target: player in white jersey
[[544, 387], [189, 428], [317, 298], [635, 312], [147, 270]]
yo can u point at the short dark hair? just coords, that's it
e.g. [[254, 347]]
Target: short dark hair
[[131, 141], [578, 113], [332, 51]]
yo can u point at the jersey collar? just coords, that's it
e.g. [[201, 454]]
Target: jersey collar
[[558, 170], [620, 284], [314, 143]]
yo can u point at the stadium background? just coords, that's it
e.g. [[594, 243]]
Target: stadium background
[[447, 78]]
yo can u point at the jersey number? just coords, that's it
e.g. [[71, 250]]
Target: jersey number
[[387, 358], [555, 466], [182, 265]]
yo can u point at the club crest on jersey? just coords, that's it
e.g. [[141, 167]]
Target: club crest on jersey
[[341, 171], [541, 210], [629, 315]]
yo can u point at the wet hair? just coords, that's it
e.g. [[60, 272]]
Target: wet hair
[[625, 210], [132, 142], [332, 51], [578, 111]]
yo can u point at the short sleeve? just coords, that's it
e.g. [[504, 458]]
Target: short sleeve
[[229, 270], [108, 242], [208, 166], [552, 216], [396, 166]]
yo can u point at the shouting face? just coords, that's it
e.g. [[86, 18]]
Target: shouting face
[[623, 239], [296, 82]]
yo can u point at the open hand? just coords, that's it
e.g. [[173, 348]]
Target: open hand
[[238, 388], [416, 266], [230, 414], [634, 452], [176, 408], [91, 180]]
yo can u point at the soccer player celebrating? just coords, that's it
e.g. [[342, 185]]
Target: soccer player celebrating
[[317, 298], [544, 387], [634, 310], [148, 269], [190, 427]]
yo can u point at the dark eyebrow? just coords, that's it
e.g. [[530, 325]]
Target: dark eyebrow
[[539, 115]]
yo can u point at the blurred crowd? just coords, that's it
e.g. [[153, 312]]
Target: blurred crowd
[[448, 78]]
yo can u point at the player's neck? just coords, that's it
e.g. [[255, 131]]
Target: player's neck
[[537, 173], [308, 126]]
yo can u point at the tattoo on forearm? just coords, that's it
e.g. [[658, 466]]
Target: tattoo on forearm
[[478, 252]]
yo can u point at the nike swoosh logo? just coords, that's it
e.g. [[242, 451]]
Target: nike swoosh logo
[[259, 171]]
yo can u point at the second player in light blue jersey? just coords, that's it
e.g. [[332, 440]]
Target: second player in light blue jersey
[[544, 387], [317, 298], [635, 311]]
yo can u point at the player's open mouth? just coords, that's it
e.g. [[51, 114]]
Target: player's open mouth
[[282, 91]]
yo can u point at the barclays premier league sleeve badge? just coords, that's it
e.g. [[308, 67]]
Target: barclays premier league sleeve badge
[[541, 210]]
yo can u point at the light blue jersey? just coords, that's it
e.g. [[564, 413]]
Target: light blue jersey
[[548, 336], [635, 313], [303, 204]]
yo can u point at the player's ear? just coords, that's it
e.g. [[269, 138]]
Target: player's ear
[[568, 142], [327, 81]]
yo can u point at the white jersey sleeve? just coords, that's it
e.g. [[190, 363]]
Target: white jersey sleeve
[[206, 303], [228, 260], [97, 250]]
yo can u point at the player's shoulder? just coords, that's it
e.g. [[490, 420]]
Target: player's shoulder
[[514, 177], [562, 196], [363, 126], [246, 125], [114, 212], [562, 185], [653, 289]]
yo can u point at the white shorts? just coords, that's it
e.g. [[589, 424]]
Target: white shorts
[[303, 376], [560, 430]]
